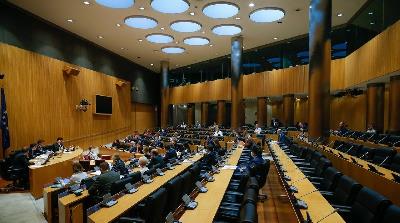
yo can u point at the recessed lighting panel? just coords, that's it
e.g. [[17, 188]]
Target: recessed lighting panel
[[173, 49], [116, 4], [141, 22], [196, 41], [159, 38], [226, 30], [221, 10], [267, 15], [185, 26], [170, 6]]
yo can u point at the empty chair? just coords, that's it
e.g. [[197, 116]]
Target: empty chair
[[354, 150], [395, 165], [248, 213], [195, 170], [383, 156], [330, 179], [391, 214], [119, 185], [188, 184], [173, 188], [345, 192], [365, 153], [337, 143], [369, 206]]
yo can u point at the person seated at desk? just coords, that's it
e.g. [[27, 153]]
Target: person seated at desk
[[257, 130], [21, 162], [156, 158], [146, 152], [37, 149], [59, 145], [211, 158], [218, 132], [170, 153], [143, 162], [102, 184], [256, 156], [342, 128], [78, 173], [119, 165], [371, 129], [281, 136], [92, 155]]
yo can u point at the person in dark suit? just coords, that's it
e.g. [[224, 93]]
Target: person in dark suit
[[156, 158], [102, 184], [59, 145], [170, 154], [119, 165], [21, 162], [256, 154]]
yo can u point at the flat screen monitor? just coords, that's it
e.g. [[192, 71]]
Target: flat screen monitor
[[103, 105]]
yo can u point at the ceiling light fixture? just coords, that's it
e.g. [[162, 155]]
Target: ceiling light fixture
[[162, 28], [122, 48], [251, 4], [339, 14], [86, 2], [372, 23], [116, 4], [100, 37], [70, 20], [275, 38], [118, 25], [185, 26], [220, 10], [196, 41], [237, 18], [140, 40], [141, 22], [211, 45], [226, 30], [370, 13], [170, 6], [267, 14], [191, 13], [173, 49], [151, 64], [141, 8], [159, 38]]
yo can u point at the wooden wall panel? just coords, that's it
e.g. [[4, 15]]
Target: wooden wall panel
[[41, 101], [277, 110], [351, 110], [301, 110], [143, 116], [338, 74]]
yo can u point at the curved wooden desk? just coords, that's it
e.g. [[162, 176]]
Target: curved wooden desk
[[58, 166]]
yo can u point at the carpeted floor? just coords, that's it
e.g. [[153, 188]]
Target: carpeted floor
[[20, 208]]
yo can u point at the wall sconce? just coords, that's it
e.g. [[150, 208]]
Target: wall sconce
[[83, 105]]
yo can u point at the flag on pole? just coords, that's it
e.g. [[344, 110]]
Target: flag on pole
[[4, 122]]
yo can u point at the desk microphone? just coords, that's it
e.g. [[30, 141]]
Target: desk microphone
[[364, 155], [333, 212], [351, 147], [384, 161], [308, 193], [337, 148]]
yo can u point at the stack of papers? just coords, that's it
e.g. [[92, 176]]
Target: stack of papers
[[229, 167]]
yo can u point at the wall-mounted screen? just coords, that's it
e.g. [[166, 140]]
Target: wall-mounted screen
[[103, 105]]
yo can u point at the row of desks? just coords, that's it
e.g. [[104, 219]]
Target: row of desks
[[318, 206], [333, 138], [383, 184], [209, 202]]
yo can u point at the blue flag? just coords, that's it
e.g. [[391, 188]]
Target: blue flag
[[4, 122]]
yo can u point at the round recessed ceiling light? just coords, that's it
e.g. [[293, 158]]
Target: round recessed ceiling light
[[267, 14], [141, 22], [226, 30], [220, 10], [159, 38], [173, 49], [116, 4], [170, 6], [196, 41], [186, 26]]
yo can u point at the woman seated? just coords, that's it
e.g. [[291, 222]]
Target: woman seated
[[143, 161], [78, 173]]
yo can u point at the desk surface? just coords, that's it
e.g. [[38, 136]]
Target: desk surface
[[58, 159], [209, 202], [360, 142], [318, 206], [129, 200]]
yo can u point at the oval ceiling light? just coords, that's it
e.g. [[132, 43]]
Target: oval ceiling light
[[116, 4], [268, 14], [226, 30], [170, 6], [196, 41], [173, 49], [141, 22], [220, 10], [159, 38], [185, 26]]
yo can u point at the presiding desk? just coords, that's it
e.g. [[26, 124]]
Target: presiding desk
[[318, 206], [209, 202], [383, 184], [57, 166], [127, 201]]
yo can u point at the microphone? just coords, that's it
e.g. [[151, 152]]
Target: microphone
[[308, 193], [331, 213], [384, 161], [308, 219], [337, 148], [364, 155], [351, 147]]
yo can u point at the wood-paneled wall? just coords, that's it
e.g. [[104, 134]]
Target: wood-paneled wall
[[351, 110], [143, 116], [41, 101], [301, 110]]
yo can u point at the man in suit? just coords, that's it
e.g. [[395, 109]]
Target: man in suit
[[170, 154], [156, 158], [59, 145], [21, 162], [102, 184]]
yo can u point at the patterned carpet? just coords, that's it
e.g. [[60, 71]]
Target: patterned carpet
[[20, 208]]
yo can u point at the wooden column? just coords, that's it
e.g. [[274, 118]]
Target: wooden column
[[262, 111], [394, 104], [221, 113], [319, 68], [375, 105], [237, 109], [288, 110], [204, 113], [164, 93], [190, 114]]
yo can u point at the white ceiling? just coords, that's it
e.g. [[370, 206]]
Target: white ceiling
[[90, 21]]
